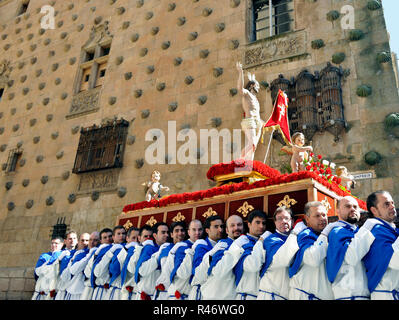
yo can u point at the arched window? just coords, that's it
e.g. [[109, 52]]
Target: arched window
[[332, 110]]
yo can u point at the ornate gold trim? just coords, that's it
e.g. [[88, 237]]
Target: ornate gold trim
[[245, 209], [151, 222], [209, 213], [178, 217], [287, 202], [128, 225]]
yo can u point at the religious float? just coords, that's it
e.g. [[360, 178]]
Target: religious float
[[241, 187]]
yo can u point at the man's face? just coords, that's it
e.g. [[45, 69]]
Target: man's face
[[178, 234], [348, 210], [145, 235], [56, 245], [83, 241], [257, 227], [256, 87], [94, 240], [195, 230], [119, 236], [385, 207], [71, 241], [234, 227], [283, 222], [106, 238], [215, 231], [133, 237], [317, 219], [162, 235]]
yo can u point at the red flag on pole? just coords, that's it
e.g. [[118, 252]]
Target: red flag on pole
[[279, 118]]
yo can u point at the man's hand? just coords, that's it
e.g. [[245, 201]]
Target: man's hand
[[239, 66]]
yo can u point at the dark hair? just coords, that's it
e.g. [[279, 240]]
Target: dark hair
[[117, 228], [157, 225], [177, 223], [145, 227], [105, 230], [249, 84], [372, 200], [281, 209], [207, 223], [131, 229], [256, 213], [59, 238]]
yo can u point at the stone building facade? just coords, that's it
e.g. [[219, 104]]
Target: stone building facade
[[91, 88]]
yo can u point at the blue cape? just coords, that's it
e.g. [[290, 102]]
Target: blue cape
[[64, 262], [164, 253], [305, 239], [339, 239], [145, 255], [114, 266], [44, 257], [238, 269], [271, 245], [179, 257], [219, 254], [130, 253], [199, 253], [80, 255], [377, 259], [97, 259]]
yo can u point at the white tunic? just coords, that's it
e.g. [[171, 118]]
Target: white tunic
[[274, 285], [129, 281], [351, 279], [311, 278], [76, 286]]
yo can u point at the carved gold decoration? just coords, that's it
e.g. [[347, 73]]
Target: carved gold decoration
[[326, 204], [151, 222], [245, 209], [128, 225], [179, 217], [209, 213], [287, 202]]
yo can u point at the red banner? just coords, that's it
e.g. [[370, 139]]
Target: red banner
[[279, 118]]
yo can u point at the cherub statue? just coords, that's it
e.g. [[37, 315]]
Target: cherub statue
[[299, 152], [154, 187], [347, 180]]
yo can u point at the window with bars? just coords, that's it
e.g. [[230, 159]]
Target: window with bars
[[315, 101], [272, 17], [101, 147], [13, 158], [1, 93]]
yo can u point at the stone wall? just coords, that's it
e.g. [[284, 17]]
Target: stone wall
[[169, 61]]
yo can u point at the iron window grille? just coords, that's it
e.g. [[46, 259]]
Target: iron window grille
[[13, 157], [270, 20], [101, 147]]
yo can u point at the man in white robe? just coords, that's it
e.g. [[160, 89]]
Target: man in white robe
[[214, 228], [276, 253], [308, 277], [77, 264], [101, 269], [349, 282], [90, 283], [210, 289], [147, 268], [178, 233], [382, 247], [41, 268], [181, 266]]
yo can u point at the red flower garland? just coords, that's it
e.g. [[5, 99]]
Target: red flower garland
[[231, 167]]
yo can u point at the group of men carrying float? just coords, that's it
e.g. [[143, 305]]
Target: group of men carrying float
[[312, 260]]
